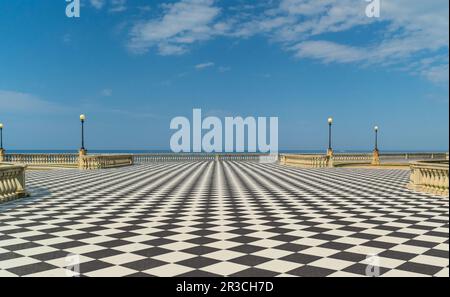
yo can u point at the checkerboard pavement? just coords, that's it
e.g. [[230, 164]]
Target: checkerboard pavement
[[224, 219]]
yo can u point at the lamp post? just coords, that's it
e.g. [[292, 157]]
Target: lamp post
[[330, 148], [1, 136], [376, 152], [376, 137], [2, 151], [83, 149]]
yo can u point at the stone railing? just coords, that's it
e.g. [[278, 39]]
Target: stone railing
[[12, 182], [69, 160], [186, 157], [414, 156], [430, 177], [307, 161], [249, 157], [105, 161], [343, 159], [352, 158], [47, 160], [168, 157]]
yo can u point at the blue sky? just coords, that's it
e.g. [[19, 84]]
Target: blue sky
[[133, 65]]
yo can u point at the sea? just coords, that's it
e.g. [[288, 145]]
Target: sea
[[43, 151]]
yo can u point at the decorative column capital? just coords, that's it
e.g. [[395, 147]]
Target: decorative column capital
[[2, 155], [330, 152], [376, 157], [82, 152]]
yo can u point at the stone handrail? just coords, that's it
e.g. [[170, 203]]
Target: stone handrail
[[189, 157], [345, 158], [169, 157], [241, 157], [105, 161], [308, 161], [342, 159], [414, 156], [50, 160], [430, 177], [12, 182]]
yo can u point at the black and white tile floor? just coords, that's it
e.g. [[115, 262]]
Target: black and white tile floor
[[224, 219]]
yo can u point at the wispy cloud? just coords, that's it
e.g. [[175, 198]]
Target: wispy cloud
[[223, 69], [98, 4], [118, 5], [180, 25], [17, 102], [204, 65], [113, 5], [407, 31], [106, 92]]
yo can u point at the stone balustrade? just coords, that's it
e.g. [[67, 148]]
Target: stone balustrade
[[430, 177], [191, 157], [352, 158], [307, 161], [414, 156], [12, 182], [105, 161], [169, 157], [344, 159], [69, 160], [43, 160]]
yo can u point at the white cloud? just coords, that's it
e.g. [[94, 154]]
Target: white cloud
[[182, 24], [11, 101], [98, 4], [106, 92], [114, 5], [438, 74], [329, 52], [118, 5], [223, 69], [204, 65], [407, 31]]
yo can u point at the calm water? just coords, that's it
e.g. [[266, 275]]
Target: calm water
[[167, 151]]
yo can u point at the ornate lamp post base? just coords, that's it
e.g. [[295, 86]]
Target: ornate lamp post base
[[376, 157], [82, 152], [330, 153], [2, 155]]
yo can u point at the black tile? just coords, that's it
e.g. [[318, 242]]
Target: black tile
[[247, 248], [21, 246], [200, 250], [419, 268], [300, 258], [31, 268], [93, 265], [336, 246], [114, 243], [9, 256], [348, 256], [152, 252], [50, 256], [199, 273], [421, 243], [292, 247], [250, 260], [311, 271], [68, 245], [437, 253], [198, 262], [397, 255], [254, 272], [100, 254], [144, 264]]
